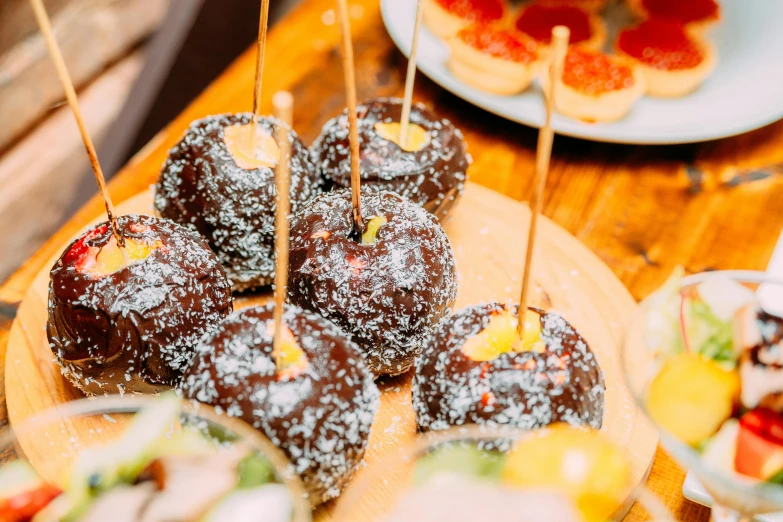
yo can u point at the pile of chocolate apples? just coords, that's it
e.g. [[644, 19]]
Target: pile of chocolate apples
[[500, 47], [157, 314]]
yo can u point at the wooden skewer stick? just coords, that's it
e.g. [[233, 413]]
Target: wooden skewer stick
[[70, 95], [350, 94], [283, 103], [560, 36], [263, 25], [410, 77]]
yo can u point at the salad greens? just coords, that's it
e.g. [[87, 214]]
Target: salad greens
[[460, 458]]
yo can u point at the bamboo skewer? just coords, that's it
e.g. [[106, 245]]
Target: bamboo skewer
[[283, 103], [410, 77], [70, 95], [350, 94], [560, 36], [263, 25]]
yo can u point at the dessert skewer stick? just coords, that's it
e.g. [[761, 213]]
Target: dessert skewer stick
[[70, 94], [283, 103], [560, 36], [350, 94], [410, 77], [263, 25]]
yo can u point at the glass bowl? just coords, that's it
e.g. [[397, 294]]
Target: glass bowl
[[736, 497], [51, 441], [386, 490]]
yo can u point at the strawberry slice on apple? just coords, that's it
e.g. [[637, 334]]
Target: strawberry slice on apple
[[760, 444], [108, 259]]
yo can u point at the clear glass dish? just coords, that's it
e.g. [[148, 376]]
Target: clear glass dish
[[385, 486], [52, 441], [737, 498]]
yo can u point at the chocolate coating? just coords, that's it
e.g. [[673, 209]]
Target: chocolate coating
[[202, 187], [321, 418], [135, 329], [433, 177], [387, 296], [525, 390]]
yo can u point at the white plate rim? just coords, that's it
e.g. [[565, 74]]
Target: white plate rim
[[607, 133]]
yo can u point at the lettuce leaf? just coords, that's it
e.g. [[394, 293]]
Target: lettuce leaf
[[710, 336]]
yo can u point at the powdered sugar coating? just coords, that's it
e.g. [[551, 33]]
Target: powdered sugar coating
[[525, 390], [136, 329], [387, 296], [202, 187], [433, 177], [321, 418]]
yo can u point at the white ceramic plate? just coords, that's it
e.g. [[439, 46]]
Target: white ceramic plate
[[693, 490], [744, 93]]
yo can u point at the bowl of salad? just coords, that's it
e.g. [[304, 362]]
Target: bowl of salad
[[144, 459], [703, 357], [559, 473]]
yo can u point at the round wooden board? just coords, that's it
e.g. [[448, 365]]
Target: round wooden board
[[487, 231]]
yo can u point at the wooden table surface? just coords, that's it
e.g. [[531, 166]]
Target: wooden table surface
[[642, 209]]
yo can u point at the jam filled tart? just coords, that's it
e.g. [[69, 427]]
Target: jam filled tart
[[673, 61], [493, 59], [596, 87], [446, 17]]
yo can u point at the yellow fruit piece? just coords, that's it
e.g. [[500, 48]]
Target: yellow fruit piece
[[691, 397], [291, 359], [110, 258], [371, 233], [500, 336], [239, 142], [417, 138], [579, 463], [531, 340]]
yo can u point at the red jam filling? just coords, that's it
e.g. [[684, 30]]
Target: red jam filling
[[661, 44], [684, 11], [595, 73], [474, 10], [81, 248], [500, 43], [538, 21], [108, 258]]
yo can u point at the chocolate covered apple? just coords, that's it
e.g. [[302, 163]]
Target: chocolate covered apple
[[130, 321], [315, 400], [387, 287], [430, 169], [474, 370], [218, 180]]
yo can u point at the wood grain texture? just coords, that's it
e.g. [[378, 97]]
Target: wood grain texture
[[642, 210], [92, 35], [30, 203], [485, 231]]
